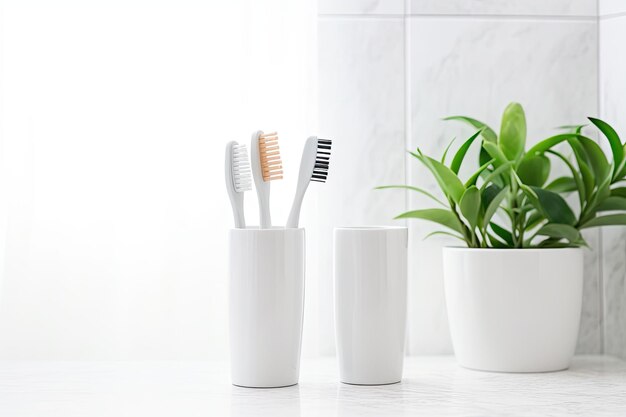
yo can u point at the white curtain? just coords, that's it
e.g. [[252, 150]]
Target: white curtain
[[114, 216]]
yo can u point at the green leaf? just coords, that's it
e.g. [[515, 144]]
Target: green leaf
[[512, 138], [486, 132], [534, 170], [612, 203], [472, 180], [523, 209], [597, 160], [600, 195], [531, 195], [585, 172], [620, 171], [614, 141], [549, 143], [488, 193], [562, 185], [502, 232], [460, 154], [604, 189], [440, 232], [483, 156], [582, 193], [553, 242], [496, 173], [534, 219], [470, 206], [495, 153], [610, 220], [582, 242], [619, 192], [493, 205], [445, 153], [574, 128], [553, 206], [451, 185], [443, 217], [497, 243], [408, 187], [587, 177], [560, 231]]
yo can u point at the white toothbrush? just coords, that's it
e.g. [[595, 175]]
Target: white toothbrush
[[313, 167], [266, 167], [237, 179]]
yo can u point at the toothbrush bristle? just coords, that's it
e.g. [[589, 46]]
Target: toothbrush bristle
[[322, 160], [242, 175], [269, 154]]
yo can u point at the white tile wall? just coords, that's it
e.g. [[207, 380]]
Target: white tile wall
[[505, 7], [361, 96], [475, 66], [613, 110], [608, 8], [381, 71], [361, 7]]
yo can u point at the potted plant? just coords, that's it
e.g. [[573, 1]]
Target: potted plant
[[514, 289]]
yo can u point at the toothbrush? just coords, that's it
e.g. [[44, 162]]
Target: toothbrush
[[266, 167], [313, 167], [237, 179]]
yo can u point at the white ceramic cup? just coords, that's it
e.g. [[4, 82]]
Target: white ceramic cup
[[370, 273], [266, 306]]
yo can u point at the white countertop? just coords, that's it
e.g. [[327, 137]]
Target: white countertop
[[432, 386]]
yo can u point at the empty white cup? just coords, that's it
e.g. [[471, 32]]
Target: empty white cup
[[370, 273], [266, 306]]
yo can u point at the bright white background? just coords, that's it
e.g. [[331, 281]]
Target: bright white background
[[114, 115], [114, 119]]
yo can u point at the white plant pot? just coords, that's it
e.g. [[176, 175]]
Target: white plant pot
[[514, 310], [370, 271], [266, 306]]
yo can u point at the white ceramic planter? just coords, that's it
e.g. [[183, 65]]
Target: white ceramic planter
[[514, 310], [266, 306], [370, 303]]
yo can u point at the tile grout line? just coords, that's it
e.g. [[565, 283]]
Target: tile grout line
[[601, 295], [407, 139], [544, 17], [325, 16], [406, 16], [610, 15]]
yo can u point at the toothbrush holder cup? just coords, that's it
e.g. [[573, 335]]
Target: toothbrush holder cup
[[266, 306], [370, 273]]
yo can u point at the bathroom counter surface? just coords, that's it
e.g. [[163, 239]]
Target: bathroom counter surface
[[432, 386]]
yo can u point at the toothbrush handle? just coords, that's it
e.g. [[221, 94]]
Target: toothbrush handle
[[264, 209], [240, 221], [294, 214]]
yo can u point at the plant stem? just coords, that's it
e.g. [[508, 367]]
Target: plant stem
[[467, 234], [514, 216], [483, 234]]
